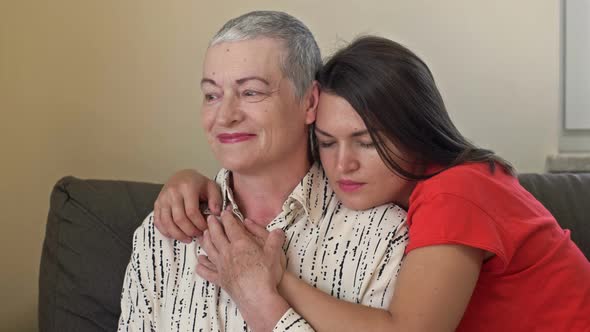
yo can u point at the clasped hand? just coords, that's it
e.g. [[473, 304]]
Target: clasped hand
[[244, 259]]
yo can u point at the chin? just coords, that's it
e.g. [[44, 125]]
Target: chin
[[235, 164]]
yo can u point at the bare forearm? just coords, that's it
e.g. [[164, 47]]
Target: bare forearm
[[263, 313], [327, 313]]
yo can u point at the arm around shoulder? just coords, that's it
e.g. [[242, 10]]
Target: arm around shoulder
[[431, 294]]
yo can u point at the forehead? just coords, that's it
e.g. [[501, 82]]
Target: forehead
[[337, 115], [228, 61]]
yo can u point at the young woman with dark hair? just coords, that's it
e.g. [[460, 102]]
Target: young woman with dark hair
[[483, 254]]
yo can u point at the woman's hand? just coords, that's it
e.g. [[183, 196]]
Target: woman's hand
[[248, 263], [242, 262], [176, 210]]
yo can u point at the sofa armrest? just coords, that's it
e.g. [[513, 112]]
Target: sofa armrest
[[86, 250]]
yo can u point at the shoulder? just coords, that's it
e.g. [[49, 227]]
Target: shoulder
[[146, 230], [390, 211], [148, 241], [467, 173], [387, 217], [471, 181]]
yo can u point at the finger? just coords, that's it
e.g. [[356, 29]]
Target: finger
[[217, 234], [181, 220], [158, 200], [158, 223], [179, 217], [207, 274], [202, 259], [156, 209], [256, 229], [191, 208], [233, 228], [214, 198], [209, 247], [275, 241], [171, 228]]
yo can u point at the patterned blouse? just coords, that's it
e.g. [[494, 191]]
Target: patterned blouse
[[352, 255]]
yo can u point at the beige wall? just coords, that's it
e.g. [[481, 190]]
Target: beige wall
[[109, 89]]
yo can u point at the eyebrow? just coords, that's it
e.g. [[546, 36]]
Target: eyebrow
[[208, 80], [251, 78], [354, 134], [238, 81]]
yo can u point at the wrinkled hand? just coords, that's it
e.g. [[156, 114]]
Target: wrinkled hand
[[247, 262], [176, 210]]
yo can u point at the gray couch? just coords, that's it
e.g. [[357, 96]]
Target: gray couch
[[91, 222]]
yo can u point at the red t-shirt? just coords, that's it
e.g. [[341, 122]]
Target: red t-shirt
[[538, 280]]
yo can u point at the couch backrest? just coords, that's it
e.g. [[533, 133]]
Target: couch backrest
[[91, 223], [86, 250], [567, 197]]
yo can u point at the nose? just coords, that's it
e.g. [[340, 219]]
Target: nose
[[229, 112], [347, 160]]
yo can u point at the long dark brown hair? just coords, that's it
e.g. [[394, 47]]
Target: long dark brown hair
[[394, 92]]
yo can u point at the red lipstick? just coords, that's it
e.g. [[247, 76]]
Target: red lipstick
[[234, 137], [349, 185]]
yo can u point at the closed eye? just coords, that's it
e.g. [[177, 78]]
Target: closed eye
[[367, 145], [325, 144]]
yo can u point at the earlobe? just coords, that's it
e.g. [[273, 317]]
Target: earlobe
[[312, 103]]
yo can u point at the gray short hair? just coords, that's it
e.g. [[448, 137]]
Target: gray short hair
[[303, 58]]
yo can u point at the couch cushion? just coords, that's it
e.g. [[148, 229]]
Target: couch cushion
[[567, 197], [86, 250]]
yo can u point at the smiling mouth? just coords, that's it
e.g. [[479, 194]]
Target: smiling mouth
[[349, 186], [234, 138]]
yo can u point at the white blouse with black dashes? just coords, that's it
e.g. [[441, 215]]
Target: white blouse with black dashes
[[351, 255]]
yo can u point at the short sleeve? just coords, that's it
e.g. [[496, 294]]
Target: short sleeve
[[451, 219]]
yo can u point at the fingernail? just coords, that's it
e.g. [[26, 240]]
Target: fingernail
[[210, 219]]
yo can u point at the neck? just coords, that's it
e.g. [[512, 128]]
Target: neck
[[261, 196], [404, 200]]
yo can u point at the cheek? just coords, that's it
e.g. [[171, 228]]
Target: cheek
[[375, 168], [328, 159], [207, 119], [271, 123], [372, 164], [393, 184]]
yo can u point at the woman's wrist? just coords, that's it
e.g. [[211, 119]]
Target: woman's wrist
[[286, 281], [265, 311]]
